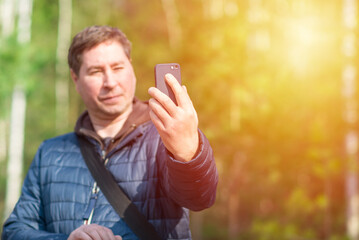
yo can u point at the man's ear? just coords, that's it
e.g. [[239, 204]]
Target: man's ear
[[73, 76], [75, 79]]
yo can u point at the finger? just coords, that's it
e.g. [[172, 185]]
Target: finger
[[180, 94], [103, 233], [156, 121], [159, 111], [79, 235], [163, 99], [107, 234], [189, 102], [93, 233], [118, 237]]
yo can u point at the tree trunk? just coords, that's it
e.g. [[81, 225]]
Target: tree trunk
[[196, 225], [233, 217], [24, 22], [349, 78], [62, 81], [173, 25], [3, 144], [16, 146], [7, 17], [18, 111], [236, 180]]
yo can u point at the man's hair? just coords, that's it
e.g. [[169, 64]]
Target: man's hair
[[91, 37]]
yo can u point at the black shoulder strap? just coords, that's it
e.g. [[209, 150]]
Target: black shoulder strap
[[115, 195]]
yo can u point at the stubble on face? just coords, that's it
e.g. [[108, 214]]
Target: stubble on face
[[106, 82]]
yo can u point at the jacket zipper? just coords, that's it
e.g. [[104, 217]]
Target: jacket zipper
[[94, 195], [95, 189], [90, 209]]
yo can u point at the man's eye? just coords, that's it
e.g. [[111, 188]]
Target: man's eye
[[118, 68], [95, 72]]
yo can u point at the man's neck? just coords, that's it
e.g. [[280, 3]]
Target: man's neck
[[109, 127]]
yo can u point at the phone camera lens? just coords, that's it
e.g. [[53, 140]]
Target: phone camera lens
[[174, 67]]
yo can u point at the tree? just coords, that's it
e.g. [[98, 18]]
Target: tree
[[62, 85], [17, 121], [350, 112]]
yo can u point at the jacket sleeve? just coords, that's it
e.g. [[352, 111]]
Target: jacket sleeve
[[192, 184], [27, 219]]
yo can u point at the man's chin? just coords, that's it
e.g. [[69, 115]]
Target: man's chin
[[116, 111]]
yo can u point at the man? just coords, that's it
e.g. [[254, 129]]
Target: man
[[154, 151]]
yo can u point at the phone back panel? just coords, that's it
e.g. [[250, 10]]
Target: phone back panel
[[160, 71]]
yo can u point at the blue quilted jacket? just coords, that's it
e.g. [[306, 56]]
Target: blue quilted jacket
[[57, 190]]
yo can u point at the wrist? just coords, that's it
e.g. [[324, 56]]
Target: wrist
[[193, 150]]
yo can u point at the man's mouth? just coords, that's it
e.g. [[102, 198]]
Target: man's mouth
[[110, 99]]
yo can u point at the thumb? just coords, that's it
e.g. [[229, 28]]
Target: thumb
[[118, 237]]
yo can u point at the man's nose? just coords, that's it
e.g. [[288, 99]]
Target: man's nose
[[109, 79]]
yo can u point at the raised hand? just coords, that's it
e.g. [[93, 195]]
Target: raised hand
[[177, 125]]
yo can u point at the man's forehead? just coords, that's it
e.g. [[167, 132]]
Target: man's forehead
[[103, 46], [104, 52]]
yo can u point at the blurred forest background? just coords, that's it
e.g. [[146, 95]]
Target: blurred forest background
[[273, 81]]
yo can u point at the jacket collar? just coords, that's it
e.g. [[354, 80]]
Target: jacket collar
[[138, 116]]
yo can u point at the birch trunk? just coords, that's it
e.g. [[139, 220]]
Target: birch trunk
[[16, 146], [17, 121], [3, 144], [7, 17], [173, 25], [349, 78], [24, 22], [216, 9], [236, 180], [62, 83], [196, 225], [213, 9]]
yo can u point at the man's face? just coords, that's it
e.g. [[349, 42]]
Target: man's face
[[106, 80]]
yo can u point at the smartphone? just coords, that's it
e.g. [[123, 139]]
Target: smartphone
[[160, 71]]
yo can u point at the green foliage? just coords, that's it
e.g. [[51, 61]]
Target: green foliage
[[267, 91]]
